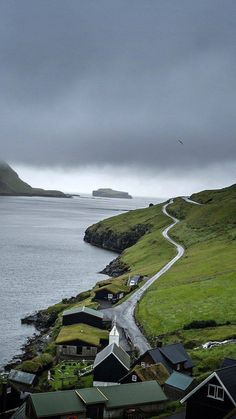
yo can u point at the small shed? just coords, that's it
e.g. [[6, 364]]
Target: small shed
[[110, 365], [22, 379], [83, 315], [134, 281], [80, 341], [178, 385]]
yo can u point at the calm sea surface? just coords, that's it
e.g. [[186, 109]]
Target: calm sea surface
[[43, 257]]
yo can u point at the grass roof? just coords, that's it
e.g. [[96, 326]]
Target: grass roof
[[83, 332], [156, 372], [113, 288]]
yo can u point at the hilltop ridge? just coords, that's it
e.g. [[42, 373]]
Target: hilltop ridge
[[12, 185]]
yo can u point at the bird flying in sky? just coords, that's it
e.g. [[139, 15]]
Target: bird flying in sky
[[181, 142]]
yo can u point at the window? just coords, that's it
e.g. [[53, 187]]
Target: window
[[143, 364], [178, 367], [134, 377], [216, 392]]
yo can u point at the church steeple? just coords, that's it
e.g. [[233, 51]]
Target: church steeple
[[114, 336]]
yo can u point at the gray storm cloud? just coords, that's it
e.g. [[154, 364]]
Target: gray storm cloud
[[96, 82]]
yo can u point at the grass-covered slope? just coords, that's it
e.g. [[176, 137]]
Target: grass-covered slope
[[11, 184], [201, 285], [139, 233]]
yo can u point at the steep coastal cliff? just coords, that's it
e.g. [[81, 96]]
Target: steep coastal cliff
[[12, 185]]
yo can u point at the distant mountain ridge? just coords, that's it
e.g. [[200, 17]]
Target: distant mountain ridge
[[12, 185]]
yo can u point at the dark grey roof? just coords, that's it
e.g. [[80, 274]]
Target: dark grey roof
[[21, 377], [83, 309], [175, 353], [157, 357], [117, 351], [228, 378], [228, 362], [171, 354]]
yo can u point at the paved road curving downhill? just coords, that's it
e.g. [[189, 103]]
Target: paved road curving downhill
[[125, 311]]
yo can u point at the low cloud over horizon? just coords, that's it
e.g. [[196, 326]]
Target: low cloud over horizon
[[129, 89]]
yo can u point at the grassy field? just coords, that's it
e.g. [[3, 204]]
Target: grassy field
[[201, 285], [66, 375]]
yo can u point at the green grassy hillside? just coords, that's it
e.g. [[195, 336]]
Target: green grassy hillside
[[11, 184], [201, 285]]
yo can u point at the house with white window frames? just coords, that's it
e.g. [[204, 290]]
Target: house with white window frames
[[213, 398]]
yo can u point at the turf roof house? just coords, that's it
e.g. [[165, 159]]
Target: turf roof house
[[110, 292], [80, 341], [83, 315], [148, 373], [97, 402], [173, 357], [215, 397]]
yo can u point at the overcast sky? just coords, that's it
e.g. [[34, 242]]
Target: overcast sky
[[99, 93]]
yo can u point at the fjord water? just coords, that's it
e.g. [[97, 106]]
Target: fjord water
[[43, 257]]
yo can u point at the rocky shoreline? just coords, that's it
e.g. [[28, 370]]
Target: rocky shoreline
[[44, 320]]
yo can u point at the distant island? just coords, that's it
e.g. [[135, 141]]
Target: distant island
[[12, 185], [110, 193]]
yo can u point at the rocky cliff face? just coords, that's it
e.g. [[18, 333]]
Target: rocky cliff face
[[111, 240]]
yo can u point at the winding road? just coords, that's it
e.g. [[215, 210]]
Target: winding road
[[124, 312]]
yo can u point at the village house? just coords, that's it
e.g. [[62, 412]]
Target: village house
[[173, 357], [129, 400], [80, 341], [110, 292], [146, 373], [178, 385], [83, 315], [15, 389], [215, 397], [110, 365]]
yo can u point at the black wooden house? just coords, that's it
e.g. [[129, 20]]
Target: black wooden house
[[83, 315], [215, 397], [110, 365], [174, 357]]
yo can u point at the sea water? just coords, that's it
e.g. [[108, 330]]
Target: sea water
[[43, 257]]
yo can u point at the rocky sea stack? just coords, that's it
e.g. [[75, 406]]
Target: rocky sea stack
[[110, 193]]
